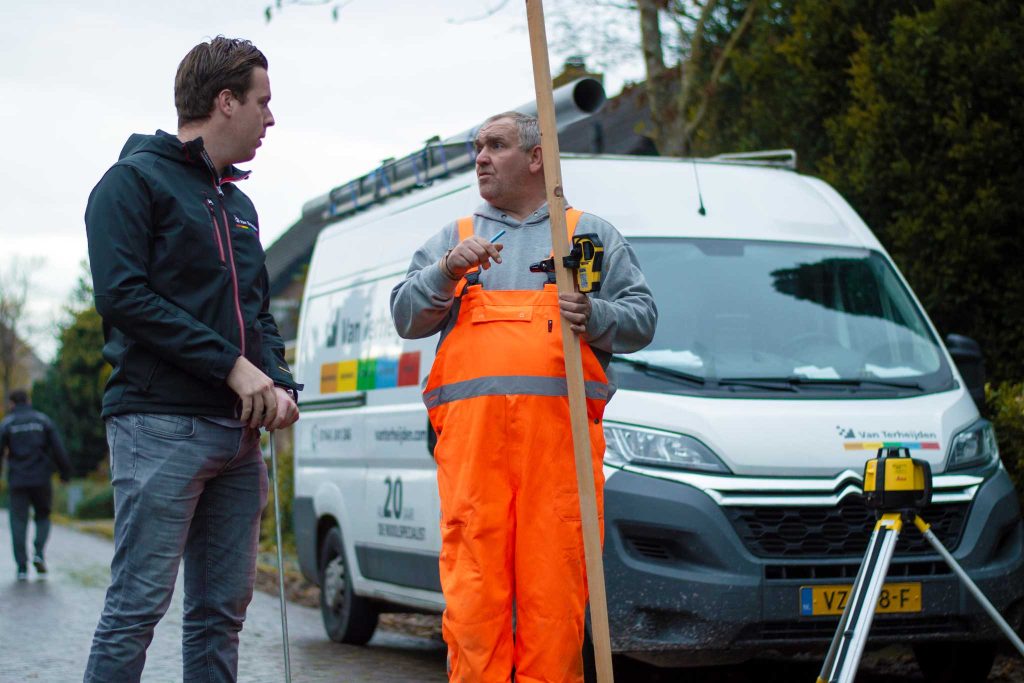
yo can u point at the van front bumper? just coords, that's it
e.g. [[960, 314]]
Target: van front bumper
[[684, 588]]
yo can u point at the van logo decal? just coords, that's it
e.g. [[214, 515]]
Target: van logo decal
[[366, 374], [243, 224], [872, 440]]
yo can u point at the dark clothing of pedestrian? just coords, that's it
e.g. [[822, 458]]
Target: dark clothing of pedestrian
[[33, 449], [33, 452], [38, 498], [180, 281]]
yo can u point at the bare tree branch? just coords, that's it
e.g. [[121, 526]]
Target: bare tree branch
[[279, 5], [689, 68], [486, 15], [657, 85], [15, 280], [716, 72]]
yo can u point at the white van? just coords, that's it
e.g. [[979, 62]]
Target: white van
[[789, 349]]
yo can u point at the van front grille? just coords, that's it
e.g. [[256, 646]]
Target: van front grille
[[848, 572], [839, 531], [883, 626]]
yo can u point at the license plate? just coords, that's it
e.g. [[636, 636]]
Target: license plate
[[817, 601]]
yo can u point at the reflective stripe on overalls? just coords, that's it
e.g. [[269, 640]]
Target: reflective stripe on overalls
[[510, 513]]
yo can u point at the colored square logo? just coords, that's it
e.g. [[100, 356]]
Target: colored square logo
[[348, 375], [409, 369], [328, 378], [367, 378], [387, 373]]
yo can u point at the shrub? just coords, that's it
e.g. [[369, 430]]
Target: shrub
[[100, 505], [1006, 408], [286, 488], [92, 497]]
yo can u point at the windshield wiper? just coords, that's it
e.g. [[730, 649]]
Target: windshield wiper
[[855, 382], [796, 381], [660, 370], [769, 383]]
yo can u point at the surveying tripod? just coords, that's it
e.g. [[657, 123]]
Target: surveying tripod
[[896, 486]]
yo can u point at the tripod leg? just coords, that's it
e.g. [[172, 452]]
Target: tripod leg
[[833, 648], [280, 563], [852, 635], [971, 586]]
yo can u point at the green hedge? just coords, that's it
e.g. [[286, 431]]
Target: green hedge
[[286, 487], [100, 505], [95, 498], [1006, 409]]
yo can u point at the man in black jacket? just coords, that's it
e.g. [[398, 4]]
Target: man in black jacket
[[198, 367], [33, 450]]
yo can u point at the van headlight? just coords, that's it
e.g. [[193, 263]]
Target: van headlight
[[638, 446], [974, 447]]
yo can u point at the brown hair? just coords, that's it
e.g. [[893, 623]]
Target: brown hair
[[209, 68]]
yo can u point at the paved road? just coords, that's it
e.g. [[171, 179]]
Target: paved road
[[46, 628]]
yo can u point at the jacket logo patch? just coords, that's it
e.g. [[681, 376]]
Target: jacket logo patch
[[243, 224]]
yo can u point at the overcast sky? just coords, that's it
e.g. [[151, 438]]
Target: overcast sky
[[77, 77]]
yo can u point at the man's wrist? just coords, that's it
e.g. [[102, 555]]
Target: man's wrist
[[445, 270]]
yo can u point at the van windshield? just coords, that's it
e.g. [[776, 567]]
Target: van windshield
[[790, 320]]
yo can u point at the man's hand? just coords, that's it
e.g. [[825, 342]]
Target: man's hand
[[472, 251], [575, 308], [259, 400], [287, 411]]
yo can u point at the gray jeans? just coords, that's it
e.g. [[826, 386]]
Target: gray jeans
[[183, 486]]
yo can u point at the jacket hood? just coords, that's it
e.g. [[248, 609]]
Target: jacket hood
[[170, 147], [162, 143]]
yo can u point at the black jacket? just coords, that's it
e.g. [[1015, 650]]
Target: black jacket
[[179, 279], [32, 447]]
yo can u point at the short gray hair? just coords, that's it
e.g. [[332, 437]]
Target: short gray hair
[[526, 126]]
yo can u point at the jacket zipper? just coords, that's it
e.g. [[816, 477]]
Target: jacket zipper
[[234, 276], [216, 231], [231, 252]]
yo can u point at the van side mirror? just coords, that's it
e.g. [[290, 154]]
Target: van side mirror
[[967, 354]]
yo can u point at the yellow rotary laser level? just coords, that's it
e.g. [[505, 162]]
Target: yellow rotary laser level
[[896, 486], [895, 480]]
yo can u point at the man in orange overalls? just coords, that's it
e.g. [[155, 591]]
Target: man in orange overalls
[[497, 398]]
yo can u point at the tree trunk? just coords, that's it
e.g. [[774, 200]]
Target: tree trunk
[[678, 107]]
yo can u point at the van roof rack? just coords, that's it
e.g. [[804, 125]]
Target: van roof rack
[[784, 158], [441, 158]]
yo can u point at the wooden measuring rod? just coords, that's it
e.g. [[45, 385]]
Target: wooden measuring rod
[[570, 343]]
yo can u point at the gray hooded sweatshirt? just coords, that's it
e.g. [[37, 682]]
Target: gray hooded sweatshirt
[[623, 315]]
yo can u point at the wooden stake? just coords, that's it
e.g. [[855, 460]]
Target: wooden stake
[[570, 343]]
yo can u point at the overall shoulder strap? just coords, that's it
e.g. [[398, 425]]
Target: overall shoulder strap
[[572, 218], [465, 225]]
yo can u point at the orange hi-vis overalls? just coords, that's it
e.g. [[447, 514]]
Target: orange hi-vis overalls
[[510, 512]]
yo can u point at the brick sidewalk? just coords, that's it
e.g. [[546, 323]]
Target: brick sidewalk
[[46, 629]]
